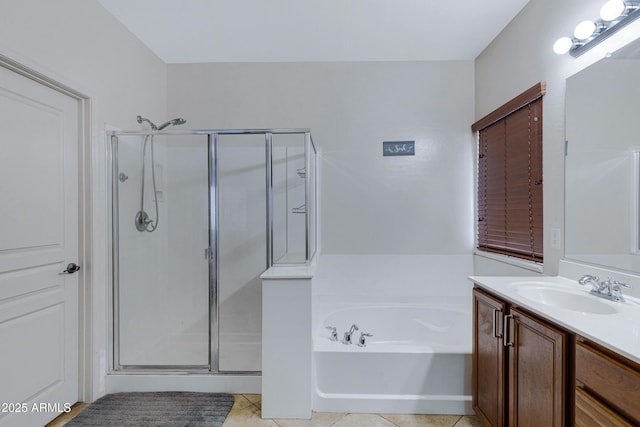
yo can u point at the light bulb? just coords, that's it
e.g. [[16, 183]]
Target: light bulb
[[562, 45], [612, 10], [584, 30]]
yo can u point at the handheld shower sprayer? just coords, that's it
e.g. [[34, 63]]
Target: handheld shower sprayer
[[172, 122], [142, 220]]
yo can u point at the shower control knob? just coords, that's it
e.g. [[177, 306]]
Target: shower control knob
[[71, 268]]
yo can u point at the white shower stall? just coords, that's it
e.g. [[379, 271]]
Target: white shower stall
[[197, 217]]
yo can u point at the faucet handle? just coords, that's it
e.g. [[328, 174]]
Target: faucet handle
[[588, 278], [362, 342], [594, 281], [334, 333], [624, 285], [616, 292]]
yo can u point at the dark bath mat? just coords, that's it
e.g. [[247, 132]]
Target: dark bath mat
[[156, 409]]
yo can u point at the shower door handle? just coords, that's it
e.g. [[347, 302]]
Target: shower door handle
[[71, 268]]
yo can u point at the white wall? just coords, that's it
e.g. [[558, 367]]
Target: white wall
[[79, 44], [521, 56], [370, 204], [393, 278]]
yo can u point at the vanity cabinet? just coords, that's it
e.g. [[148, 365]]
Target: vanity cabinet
[[607, 387], [520, 366], [488, 369]]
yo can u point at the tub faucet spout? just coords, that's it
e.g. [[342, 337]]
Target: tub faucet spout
[[347, 335]]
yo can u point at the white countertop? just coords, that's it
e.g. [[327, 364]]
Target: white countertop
[[289, 272], [619, 331]]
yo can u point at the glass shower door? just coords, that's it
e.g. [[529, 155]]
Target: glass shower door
[[161, 251]]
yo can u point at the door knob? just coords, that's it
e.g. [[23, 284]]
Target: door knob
[[71, 268]]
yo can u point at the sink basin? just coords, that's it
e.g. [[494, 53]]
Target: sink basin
[[565, 298]]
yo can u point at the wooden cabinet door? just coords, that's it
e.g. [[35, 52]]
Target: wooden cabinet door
[[537, 361], [488, 359]]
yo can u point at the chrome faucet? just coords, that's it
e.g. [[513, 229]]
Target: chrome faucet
[[609, 289], [347, 335]]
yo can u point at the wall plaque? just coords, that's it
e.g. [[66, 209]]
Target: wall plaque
[[398, 148]]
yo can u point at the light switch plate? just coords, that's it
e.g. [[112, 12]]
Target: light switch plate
[[555, 238]]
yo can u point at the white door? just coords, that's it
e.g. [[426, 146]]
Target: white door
[[38, 238]]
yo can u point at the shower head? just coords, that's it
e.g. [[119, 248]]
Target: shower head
[[174, 122]]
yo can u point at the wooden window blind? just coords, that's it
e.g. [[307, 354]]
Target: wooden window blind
[[510, 218]]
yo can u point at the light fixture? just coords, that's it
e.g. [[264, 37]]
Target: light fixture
[[612, 10], [614, 15], [563, 45], [584, 30]]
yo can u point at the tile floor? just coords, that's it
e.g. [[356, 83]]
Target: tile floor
[[246, 413]]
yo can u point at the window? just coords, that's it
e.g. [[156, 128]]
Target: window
[[510, 177]]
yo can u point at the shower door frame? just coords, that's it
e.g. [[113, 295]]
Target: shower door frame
[[212, 252]]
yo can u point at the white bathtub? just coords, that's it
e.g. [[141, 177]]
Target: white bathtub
[[417, 361]]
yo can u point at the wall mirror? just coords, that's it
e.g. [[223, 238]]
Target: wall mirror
[[602, 163]]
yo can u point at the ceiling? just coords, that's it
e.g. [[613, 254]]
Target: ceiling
[[185, 31]]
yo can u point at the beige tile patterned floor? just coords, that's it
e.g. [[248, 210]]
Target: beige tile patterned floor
[[246, 413]]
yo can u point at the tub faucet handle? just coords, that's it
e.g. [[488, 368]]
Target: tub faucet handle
[[362, 342], [334, 333]]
